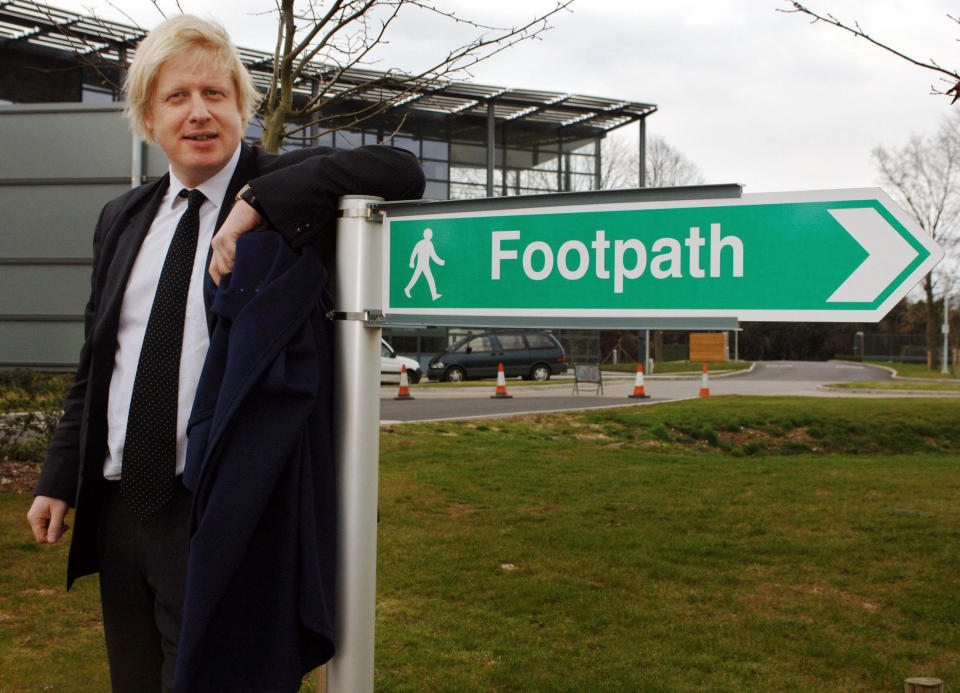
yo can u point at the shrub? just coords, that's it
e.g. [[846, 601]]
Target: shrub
[[659, 431]]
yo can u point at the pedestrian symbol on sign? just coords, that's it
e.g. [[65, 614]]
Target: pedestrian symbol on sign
[[423, 253]]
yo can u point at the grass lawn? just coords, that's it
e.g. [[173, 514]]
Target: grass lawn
[[933, 380], [914, 370], [932, 385], [723, 544], [50, 640]]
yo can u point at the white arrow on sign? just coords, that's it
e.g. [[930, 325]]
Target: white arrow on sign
[[888, 254]]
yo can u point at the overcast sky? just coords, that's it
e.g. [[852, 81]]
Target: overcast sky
[[750, 94]]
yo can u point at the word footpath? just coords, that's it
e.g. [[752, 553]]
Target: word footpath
[[667, 263]]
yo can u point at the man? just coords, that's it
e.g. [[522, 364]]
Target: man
[[188, 92]]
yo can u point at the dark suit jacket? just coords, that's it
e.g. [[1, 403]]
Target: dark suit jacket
[[260, 466], [298, 192]]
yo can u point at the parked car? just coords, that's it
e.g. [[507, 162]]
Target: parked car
[[391, 362], [532, 355]]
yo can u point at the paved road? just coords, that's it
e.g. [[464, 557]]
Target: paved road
[[809, 371], [766, 378]]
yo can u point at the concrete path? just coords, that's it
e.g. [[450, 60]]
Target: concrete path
[[765, 378]]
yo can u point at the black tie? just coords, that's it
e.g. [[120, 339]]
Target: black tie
[[148, 476]]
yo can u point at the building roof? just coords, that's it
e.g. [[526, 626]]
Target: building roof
[[39, 26]]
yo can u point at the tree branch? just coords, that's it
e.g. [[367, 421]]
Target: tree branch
[[327, 45], [857, 31]]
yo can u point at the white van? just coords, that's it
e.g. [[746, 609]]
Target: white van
[[390, 364]]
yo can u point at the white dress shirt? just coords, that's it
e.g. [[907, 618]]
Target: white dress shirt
[[135, 311]]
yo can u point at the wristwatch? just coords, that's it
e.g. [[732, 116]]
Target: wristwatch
[[247, 195]]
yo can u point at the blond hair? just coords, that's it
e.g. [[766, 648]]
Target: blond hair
[[186, 34]]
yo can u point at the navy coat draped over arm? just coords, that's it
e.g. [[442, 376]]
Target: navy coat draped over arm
[[258, 611]]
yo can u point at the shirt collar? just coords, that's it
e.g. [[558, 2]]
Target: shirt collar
[[214, 188]]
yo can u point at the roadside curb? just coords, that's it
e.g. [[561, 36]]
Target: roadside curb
[[693, 375], [895, 376], [890, 393]]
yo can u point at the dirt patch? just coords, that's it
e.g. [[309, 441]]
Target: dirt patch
[[541, 510], [19, 477], [592, 436], [456, 508], [843, 597]]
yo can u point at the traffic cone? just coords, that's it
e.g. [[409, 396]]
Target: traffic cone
[[501, 385], [638, 391], [404, 392], [704, 383]]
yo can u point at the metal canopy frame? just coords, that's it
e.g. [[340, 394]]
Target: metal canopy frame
[[405, 208], [47, 29]]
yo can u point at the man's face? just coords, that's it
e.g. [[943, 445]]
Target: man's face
[[194, 118]]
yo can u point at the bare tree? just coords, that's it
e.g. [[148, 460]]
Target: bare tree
[[321, 75], [666, 165], [618, 167], [923, 176], [339, 36], [950, 76]]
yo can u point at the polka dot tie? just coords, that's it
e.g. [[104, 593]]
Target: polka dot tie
[[148, 475]]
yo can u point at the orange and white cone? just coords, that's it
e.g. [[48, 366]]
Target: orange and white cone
[[638, 391], [704, 383], [501, 385], [404, 392]]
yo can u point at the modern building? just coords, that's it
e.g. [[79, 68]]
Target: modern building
[[66, 151]]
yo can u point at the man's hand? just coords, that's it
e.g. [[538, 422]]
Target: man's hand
[[242, 218], [46, 519]]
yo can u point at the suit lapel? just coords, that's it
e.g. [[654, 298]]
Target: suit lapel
[[246, 169], [130, 231]]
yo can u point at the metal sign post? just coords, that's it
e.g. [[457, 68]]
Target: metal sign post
[[356, 442], [946, 332]]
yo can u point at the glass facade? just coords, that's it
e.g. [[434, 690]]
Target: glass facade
[[457, 168]]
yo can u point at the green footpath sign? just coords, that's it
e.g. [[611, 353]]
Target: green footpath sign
[[841, 255]]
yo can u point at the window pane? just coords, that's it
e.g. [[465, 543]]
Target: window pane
[[435, 170], [435, 191], [344, 139], [481, 343], [254, 130], [434, 149], [539, 341], [511, 341], [408, 143]]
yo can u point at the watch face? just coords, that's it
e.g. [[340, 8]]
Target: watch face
[[247, 195]]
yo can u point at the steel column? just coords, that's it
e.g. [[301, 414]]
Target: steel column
[[643, 154], [946, 332], [138, 171], [356, 443], [491, 147], [597, 166]]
